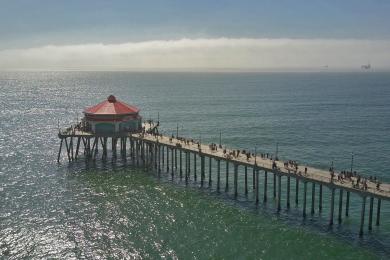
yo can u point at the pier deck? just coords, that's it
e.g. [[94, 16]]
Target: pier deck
[[313, 174]]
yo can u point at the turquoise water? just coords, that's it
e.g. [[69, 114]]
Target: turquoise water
[[115, 210]]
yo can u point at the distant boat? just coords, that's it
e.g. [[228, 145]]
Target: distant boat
[[366, 66]]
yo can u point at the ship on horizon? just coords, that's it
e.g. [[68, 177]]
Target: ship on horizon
[[366, 66]]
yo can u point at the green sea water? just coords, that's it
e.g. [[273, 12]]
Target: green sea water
[[115, 210]]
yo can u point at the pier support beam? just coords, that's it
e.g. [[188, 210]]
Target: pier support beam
[[78, 147], [176, 160], [340, 206], [202, 170], [172, 162], [59, 151], [227, 176], [288, 192], [331, 207], [71, 148], [96, 147], [210, 161], [159, 160], [304, 198], [181, 164], [187, 156], [320, 199], [113, 147], [279, 191], [274, 183], [313, 195], [254, 178], [246, 179], [67, 149], [162, 156], [265, 186], [189, 165], [370, 213], [257, 185], [235, 180], [362, 216], [136, 150], [195, 174], [347, 205], [378, 212], [167, 159], [218, 174], [296, 190]]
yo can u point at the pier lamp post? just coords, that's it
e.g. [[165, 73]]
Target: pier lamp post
[[276, 152], [220, 138], [332, 165], [255, 155], [352, 161], [177, 130]]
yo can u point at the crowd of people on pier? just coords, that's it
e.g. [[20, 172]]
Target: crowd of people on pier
[[357, 181]]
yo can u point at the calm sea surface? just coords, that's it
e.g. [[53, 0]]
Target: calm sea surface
[[114, 210]]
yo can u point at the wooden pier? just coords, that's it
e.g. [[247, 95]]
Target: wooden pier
[[173, 155]]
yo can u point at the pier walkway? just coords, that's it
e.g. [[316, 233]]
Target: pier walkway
[[312, 175]]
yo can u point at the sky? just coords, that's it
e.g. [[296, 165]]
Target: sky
[[194, 35]]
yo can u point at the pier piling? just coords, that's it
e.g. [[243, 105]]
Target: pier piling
[[235, 180], [378, 212], [279, 191], [265, 186], [257, 185], [331, 207], [227, 176], [296, 190], [304, 198], [288, 192], [362, 216], [320, 199], [246, 179], [370, 213], [340, 206], [313, 194]]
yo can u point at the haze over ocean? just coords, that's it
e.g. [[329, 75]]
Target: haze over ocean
[[309, 77], [115, 210]]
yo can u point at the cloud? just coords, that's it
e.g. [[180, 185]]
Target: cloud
[[203, 54]]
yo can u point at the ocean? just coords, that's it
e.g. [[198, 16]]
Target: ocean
[[116, 210]]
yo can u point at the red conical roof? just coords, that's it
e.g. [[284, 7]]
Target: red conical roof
[[111, 106]]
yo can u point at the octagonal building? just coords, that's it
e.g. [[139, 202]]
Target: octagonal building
[[113, 116]]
